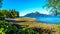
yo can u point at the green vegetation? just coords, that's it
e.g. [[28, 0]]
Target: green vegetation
[[54, 6], [27, 31], [7, 28], [8, 14], [2, 31], [4, 27], [0, 3]]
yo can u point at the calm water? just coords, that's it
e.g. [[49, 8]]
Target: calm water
[[49, 20]]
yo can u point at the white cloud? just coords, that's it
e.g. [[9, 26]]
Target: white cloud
[[46, 12], [40, 10]]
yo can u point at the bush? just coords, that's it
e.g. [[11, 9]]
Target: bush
[[27, 31], [2, 31], [7, 28]]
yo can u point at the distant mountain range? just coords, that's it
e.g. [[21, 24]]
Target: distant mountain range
[[37, 14], [44, 18]]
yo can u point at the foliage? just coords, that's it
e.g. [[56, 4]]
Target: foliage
[[2, 31], [0, 3], [27, 31], [7, 28], [8, 14], [54, 6]]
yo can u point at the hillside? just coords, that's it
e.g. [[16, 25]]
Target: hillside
[[36, 15]]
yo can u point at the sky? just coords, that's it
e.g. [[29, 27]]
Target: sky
[[25, 6]]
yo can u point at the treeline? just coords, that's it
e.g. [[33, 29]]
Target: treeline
[[9, 14]]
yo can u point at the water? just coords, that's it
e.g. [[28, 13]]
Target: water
[[49, 20]]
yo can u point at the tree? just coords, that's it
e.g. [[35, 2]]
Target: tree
[[0, 7], [0, 3], [54, 5], [8, 14], [14, 13]]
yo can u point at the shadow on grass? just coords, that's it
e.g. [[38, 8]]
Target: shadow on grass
[[43, 31]]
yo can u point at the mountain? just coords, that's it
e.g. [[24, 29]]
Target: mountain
[[43, 17], [36, 15]]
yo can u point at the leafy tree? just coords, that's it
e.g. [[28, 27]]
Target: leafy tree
[[8, 14], [14, 13], [54, 5], [0, 3]]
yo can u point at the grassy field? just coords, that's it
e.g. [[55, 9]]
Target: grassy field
[[40, 27]]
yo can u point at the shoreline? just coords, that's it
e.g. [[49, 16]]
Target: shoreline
[[32, 24]]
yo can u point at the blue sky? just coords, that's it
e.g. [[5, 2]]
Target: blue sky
[[25, 6]]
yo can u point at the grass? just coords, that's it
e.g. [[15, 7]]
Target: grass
[[25, 19], [31, 23]]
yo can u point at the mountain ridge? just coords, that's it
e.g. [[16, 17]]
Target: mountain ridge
[[37, 14]]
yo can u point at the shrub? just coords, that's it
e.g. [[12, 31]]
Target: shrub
[[7, 28], [27, 31], [2, 31]]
